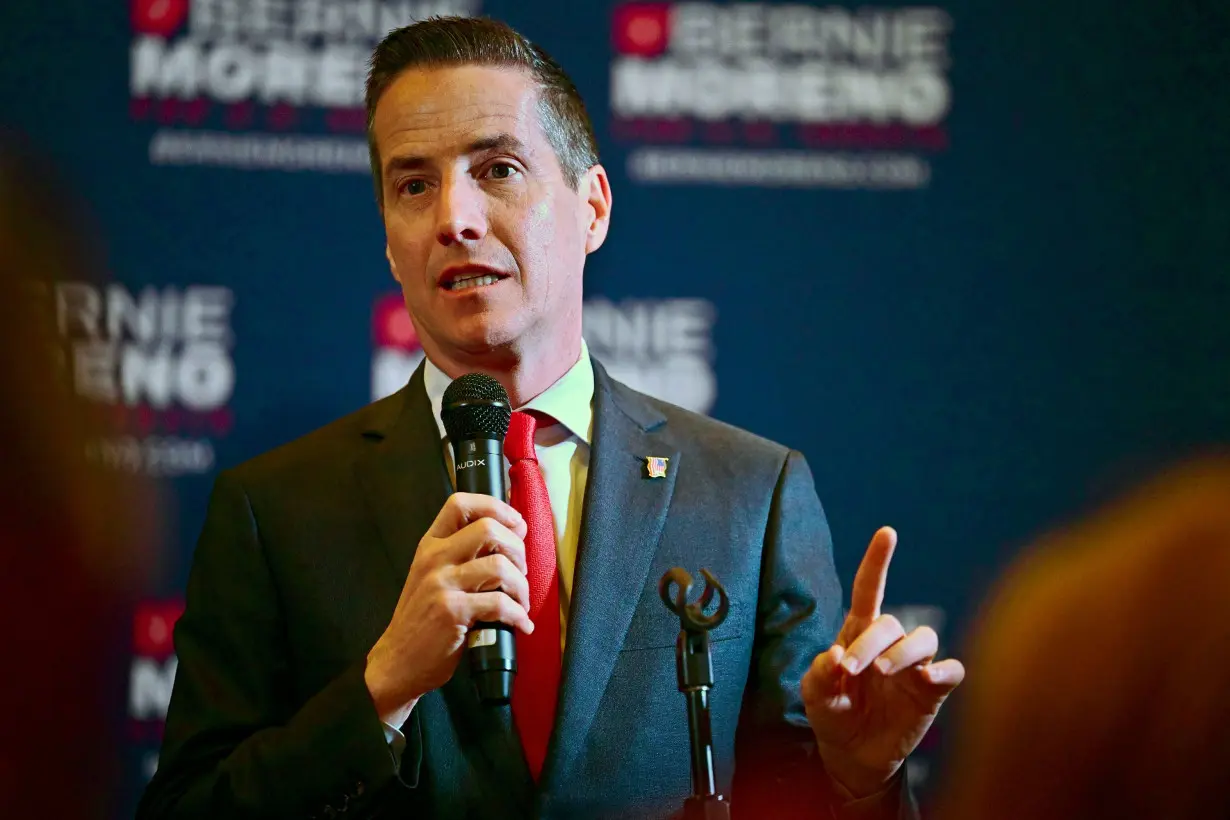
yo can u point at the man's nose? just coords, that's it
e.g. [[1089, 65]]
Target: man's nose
[[460, 211]]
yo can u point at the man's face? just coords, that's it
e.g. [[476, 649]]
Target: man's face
[[484, 235]]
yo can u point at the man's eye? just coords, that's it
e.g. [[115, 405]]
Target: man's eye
[[415, 187], [502, 170]]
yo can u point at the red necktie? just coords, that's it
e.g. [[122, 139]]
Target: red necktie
[[538, 655]]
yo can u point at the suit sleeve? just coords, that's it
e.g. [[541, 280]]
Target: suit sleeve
[[778, 772], [235, 745]]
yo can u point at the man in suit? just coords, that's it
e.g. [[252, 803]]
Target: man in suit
[[337, 577]]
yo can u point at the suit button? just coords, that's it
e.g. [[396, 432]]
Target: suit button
[[358, 789]]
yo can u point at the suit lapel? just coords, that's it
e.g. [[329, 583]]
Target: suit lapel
[[405, 481], [624, 512], [403, 475]]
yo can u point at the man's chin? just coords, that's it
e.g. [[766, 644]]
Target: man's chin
[[472, 336], [481, 342]]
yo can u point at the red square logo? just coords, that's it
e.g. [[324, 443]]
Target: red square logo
[[158, 17], [152, 628], [642, 29]]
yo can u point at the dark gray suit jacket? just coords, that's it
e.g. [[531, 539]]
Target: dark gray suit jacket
[[303, 556]]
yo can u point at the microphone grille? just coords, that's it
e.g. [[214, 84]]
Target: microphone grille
[[476, 406]]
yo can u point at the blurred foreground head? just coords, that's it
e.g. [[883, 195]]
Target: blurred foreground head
[[1100, 680], [74, 537]]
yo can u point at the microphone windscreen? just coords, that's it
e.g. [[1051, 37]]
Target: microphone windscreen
[[476, 406]]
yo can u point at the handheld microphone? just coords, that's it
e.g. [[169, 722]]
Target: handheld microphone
[[476, 413]]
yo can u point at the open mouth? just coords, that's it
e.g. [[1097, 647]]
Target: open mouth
[[470, 278]]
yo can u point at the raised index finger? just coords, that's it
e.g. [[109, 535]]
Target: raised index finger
[[872, 577]]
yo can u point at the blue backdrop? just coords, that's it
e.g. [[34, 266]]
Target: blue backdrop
[[969, 258]]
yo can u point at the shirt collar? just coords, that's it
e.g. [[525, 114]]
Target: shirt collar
[[569, 401]]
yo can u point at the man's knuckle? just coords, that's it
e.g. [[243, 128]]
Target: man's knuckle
[[449, 605], [432, 580], [487, 566], [436, 607]]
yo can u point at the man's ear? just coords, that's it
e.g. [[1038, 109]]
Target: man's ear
[[597, 189], [388, 254]]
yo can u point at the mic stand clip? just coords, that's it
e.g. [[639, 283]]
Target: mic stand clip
[[694, 667]]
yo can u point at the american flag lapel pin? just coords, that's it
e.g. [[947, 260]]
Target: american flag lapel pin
[[655, 466]]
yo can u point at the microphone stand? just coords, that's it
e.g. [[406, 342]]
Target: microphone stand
[[694, 667]]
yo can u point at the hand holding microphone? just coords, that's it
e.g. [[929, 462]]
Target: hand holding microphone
[[469, 568], [467, 584]]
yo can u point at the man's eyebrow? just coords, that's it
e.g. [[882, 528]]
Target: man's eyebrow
[[502, 143]]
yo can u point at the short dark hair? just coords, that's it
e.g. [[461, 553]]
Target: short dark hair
[[451, 41]]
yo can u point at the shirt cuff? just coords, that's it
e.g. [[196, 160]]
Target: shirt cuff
[[397, 744]]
